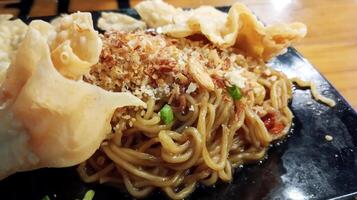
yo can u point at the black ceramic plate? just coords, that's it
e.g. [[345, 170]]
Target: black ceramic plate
[[304, 166]]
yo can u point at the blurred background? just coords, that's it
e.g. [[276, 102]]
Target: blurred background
[[331, 43]]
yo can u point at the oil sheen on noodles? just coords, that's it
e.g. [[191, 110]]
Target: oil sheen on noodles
[[202, 146]]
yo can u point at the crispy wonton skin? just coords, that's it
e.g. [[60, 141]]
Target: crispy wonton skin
[[47, 119], [119, 22], [239, 28]]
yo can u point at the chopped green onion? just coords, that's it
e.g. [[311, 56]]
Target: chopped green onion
[[46, 198], [166, 114], [89, 195], [235, 93]]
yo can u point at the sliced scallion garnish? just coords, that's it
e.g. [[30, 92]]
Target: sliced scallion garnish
[[89, 195], [166, 114], [235, 93]]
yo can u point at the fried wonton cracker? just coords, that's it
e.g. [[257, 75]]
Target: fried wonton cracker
[[119, 22], [46, 118], [11, 34], [239, 28]]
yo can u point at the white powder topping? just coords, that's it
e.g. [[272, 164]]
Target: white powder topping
[[182, 60], [147, 90], [152, 92], [164, 89], [235, 77], [191, 88]]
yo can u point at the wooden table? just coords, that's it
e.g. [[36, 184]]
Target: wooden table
[[331, 43]]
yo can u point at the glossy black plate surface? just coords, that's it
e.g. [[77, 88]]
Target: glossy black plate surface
[[304, 166]]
